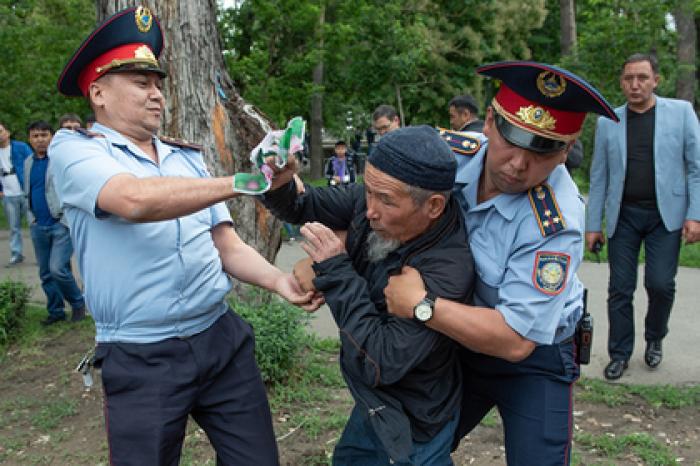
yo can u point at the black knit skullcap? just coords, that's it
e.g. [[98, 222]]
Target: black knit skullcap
[[417, 156]]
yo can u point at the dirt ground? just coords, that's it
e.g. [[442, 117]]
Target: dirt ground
[[48, 418]]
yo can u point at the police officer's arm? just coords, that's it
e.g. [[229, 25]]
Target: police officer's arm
[[598, 185], [161, 198], [481, 329], [246, 264]]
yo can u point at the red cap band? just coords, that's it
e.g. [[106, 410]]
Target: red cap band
[[537, 118], [114, 58]]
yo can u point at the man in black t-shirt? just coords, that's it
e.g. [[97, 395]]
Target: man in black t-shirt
[[646, 174]]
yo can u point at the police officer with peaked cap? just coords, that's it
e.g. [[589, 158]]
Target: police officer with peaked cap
[[156, 246], [525, 219]]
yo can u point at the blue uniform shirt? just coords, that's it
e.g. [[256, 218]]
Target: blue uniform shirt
[[511, 255], [144, 282]]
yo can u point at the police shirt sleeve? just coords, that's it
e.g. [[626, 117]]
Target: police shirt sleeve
[[81, 166], [534, 294]]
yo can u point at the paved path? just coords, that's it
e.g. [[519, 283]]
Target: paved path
[[681, 348]]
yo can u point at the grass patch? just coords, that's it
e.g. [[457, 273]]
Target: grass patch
[[314, 399], [613, 395], [51, 414], [689, 255], [492, 419], [643, 446]]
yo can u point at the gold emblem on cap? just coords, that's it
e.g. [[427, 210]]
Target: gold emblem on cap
[[144, 19], [143, 55], [537, 117], [551, 84]]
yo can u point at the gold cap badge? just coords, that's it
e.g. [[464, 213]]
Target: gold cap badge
[[144, 19], [537, 117], [551, 84]]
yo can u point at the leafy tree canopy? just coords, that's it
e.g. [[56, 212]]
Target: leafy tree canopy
[[37, 38]]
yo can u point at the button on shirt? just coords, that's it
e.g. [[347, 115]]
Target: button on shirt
[[505, 239], [144, 282]]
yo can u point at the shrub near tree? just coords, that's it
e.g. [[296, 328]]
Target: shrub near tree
[[279, 332], [13, 306]]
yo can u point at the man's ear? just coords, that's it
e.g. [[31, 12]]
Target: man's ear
[[436, 205], [96, 92], [488, 121]]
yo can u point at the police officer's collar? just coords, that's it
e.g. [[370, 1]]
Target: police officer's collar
[[117, 139]]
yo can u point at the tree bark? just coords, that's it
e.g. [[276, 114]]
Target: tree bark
[[317, 105], [203, 106], [567, 19], [687, 53]]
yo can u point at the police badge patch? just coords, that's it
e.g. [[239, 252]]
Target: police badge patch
[[549, 274]]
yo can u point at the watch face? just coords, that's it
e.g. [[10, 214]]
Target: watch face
[[423, 312]]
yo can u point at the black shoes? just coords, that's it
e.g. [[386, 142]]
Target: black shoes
[[653, 354], [615, 369], [652, 357], [52, 320], [78, 314]]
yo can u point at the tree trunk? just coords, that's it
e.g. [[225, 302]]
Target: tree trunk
[[687, 37], [203, 106], [567, 19], [317, 106], [399, 102]]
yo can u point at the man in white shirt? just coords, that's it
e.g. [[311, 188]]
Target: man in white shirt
[[12, 156]]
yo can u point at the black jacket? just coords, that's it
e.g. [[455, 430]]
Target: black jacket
[[405, 375]]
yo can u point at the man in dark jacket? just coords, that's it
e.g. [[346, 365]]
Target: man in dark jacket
[[403, 376]]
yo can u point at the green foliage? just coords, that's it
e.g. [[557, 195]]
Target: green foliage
[[38, 37], [641, 445], [279, 332], [424, 50], [13, 304], [613, 395]]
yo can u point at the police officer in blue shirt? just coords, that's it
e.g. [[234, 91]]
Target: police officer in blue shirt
[[525, 219], [155, 246]]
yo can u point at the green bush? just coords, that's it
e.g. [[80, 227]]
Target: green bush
[[13, 305], [279, 332]]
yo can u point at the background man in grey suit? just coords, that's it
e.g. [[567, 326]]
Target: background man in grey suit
[[646, 174]]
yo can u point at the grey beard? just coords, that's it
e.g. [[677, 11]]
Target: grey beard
[[378, 248]]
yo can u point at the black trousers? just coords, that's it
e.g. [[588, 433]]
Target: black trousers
[[533, 397], [661, 250], [150, 389]]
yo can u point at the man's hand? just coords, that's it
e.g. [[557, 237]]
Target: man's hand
[[593, 237], [288, 287], [282, 175], [404, 291], [691, 231], [305, 274], [321, 243]]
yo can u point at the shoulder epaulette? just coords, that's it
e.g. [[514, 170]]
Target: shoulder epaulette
[[461, 142], [546, 210], [180, 143], [88, 133]]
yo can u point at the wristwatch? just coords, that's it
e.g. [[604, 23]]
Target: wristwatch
[[423, 311]]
